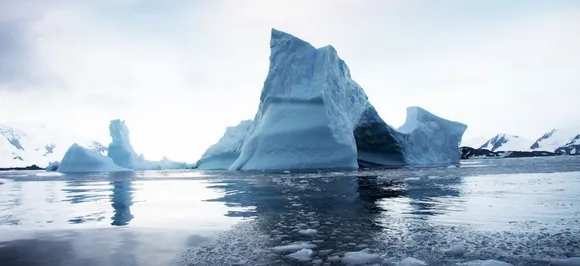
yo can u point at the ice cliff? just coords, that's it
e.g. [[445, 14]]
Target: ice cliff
[[312, 115], [80, 159]]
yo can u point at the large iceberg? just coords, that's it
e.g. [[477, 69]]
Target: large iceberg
[[312, 115], [120, 149], [79, 159]]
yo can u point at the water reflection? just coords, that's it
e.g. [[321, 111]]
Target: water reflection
[[122, 198], [369, 194]]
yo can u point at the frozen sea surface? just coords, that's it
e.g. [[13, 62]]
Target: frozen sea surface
[[519, 211]]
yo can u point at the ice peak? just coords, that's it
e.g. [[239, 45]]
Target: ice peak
[[278, 38]]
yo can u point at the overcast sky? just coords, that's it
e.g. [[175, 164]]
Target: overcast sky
[[180, 71]]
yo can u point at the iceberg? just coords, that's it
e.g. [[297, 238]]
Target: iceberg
[[79, 159], [227, 150], [428, 139], [120, 149], [313, 115], [122, 153]]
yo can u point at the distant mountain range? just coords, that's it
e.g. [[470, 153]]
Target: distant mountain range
[[559, 141], [25, 145]]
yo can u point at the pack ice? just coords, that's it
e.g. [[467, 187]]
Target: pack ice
[[312, 115]]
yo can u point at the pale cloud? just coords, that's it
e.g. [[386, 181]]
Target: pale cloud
[[179, 72]]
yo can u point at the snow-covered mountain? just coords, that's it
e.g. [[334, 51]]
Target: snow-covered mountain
[[560, 141], [506, 142], [23, 145], [557, 138], [474, 142]]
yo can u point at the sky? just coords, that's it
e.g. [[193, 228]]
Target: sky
[[178, 72]]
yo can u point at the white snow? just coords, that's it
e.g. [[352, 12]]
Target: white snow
[[294, 247], [485, 263], [360, 258], [25, 144], [572, 261], [506, 142], [411, 262], [78, 159], [308, 231], [557, 138], [301, 255]]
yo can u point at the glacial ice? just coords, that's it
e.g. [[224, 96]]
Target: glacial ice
[[120, 149], [293, 247], [429, 139], [455, 250], [572, 261], [225, 152], [360, 258], [308, 231], [410, 261], [78, 159], [485, 263], [312, 115], [301, 255]]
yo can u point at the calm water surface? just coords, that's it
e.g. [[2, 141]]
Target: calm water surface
[[522, 211]]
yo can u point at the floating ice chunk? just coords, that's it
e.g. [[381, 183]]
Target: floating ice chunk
[[455, 250], [335, 258], [286, 172], [572, 261], [390, 262], [485, 263], [411, 262], [412, 179], [301, 255], [294, 247], [308, 232], [360, 258]]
